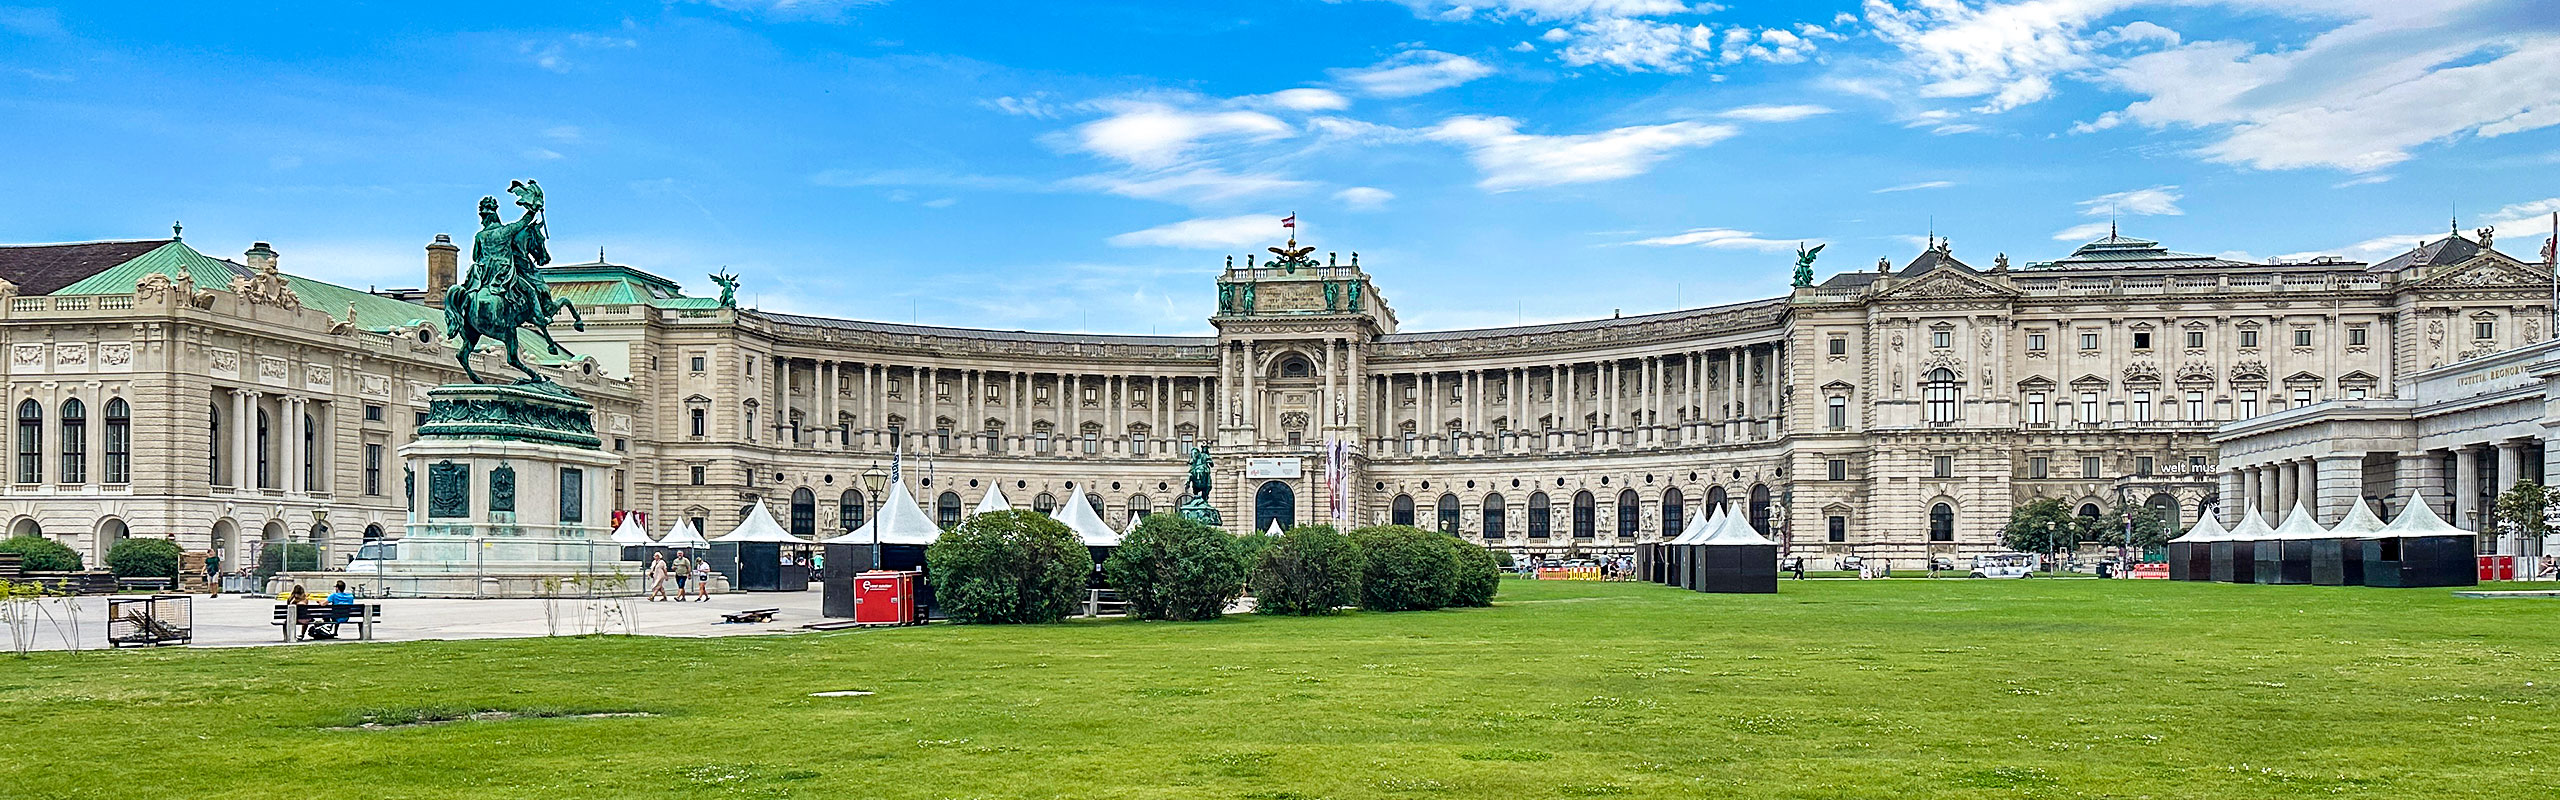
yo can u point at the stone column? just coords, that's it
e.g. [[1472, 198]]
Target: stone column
[[782, 401], [1252, 402], [244, 421], [2466, 487], [2340, 483], [2510, 465], [2418, 477], [2288, 490], [2231, 486], [2307, 480]]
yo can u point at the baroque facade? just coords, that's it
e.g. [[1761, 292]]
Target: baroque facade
[[1896, 412]]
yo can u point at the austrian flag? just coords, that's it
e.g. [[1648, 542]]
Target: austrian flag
[[1290, 221]]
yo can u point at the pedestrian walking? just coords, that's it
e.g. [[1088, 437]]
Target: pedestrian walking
[[1798, 567], [683, 569], [213, 572], [657, 577], [702, 579]]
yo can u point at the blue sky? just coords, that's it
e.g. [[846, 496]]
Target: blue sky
[[1086, 166]]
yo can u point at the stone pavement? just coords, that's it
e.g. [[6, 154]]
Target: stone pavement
[[246, 620]]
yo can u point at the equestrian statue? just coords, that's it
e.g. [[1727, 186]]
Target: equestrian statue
[[505, 290]]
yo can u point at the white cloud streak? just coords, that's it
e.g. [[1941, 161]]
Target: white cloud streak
[[1414, 72], [1513, 160]]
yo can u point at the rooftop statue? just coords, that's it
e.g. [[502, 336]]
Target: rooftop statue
[[505, 290], [728, 288], [1804, 264]]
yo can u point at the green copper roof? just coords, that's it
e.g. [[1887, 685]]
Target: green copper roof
[[600, 283], [172, 259]]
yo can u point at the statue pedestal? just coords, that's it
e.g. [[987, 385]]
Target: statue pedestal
[[1198, 510], [506, 484]]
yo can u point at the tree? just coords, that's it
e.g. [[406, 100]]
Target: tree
[[144, 558], [41, 554], [2108, 528], [1309, 570], [1176, 568], [287, 557], [1015, 566], [1479, 574], [2523, 510], [2044, 525], [1405, 568]]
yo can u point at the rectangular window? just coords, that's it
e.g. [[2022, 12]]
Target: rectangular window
[[2195, 406], [2301, 397], [2141, 340], [573, 495], [2035, 408], [700, 474], [1839, 345], [2355, 336], [2142, 465], [2248, 338], [2355, 393], [2088, 341], [2038, 467], [2035, 342], [1839, 413], [2088, 408], [697, 363], [1942, 467], [1836, 469], [2248, 403], [372, 469], [2302, 337], [1092, 444], [418, 421], [372, 413], [2195, 339], [2090, 466], [1838, 528], [75, 446], [699, 420], [1941, 339], [2142, 406], [2484, 330]]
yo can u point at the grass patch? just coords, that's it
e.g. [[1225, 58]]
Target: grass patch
[[1914, 690]]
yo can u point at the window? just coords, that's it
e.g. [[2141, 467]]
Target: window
[[946, 510], [573, 495], [1449, 514], [1839, 345], [1585, 515], [942, 437], [1836, 528], [751, 423], [2088, 408], [2195, 339], [2301, 397], [372, 469], [994, 438], [700, 474], [2090, 466], [2141, 340], [310, 453], [697, 363], [1137, 443], [1092, 443], [2248, 403], [2484, 330], [2195, 405], [2355, 336], [1942, 339], [2038, 467], [1402, 512], [1674, 513], [1836, 469], [118, 467], [2249, 338], [2142, 406], [2035, 342], [265, 478], [75, 441], [1940, 392], [1628, 514], [1494, 518], [2142, 465], [2195, 463], [1538, 515], [942, 390], [1044, 503], [2035, 408], [849, 510], [1140, 505], [2355, 392], [1942, 523], [1942, 467], [2088, 341], [213, 458], [372, 413], [804, 512], [1839, 413], [30, 442], [2302, 337]]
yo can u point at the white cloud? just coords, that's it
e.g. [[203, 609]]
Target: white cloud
[[2362, 180], [2083, 233], [1207, 233], [1189, 186], [1512, 160], [1551, 10], [1774, 113], [563, 133], [1364, 198], [1719, 239], [1913, 187], [1642, 45], [1036, 105], [1414, 72], [1299, 100], [2005, 53], [1154, 135], [2154, 201]]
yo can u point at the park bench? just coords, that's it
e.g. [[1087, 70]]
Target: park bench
[[294, 617], [752, 615], [146, 584], [1098, 602]]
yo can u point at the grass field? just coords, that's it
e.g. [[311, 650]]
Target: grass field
[[1908, 689]]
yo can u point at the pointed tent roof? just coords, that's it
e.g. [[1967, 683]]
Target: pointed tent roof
[[683, 535], [1275, 528], [2208, 529], [994, 501], [2252, 527], [760, 527], [1736, 530], [630, 532], [1132, 527], [1699, 527], [1079, 516], [2418, 520], [2299, 524], [900, 521], [2359, 524]]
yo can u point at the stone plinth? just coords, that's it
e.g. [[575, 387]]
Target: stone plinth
[[507, 481]]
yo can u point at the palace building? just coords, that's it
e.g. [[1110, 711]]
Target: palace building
[[1897, 412]]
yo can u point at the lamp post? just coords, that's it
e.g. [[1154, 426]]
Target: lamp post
[[873, 480]]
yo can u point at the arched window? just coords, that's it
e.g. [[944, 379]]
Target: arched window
[[372, 532], [1538, 511], [1674, 513], [1095, 498], [75, 441], [213, 450], [1449, 514], [2166, 508], [1295, 367], [1630, 512], [1402, 513], [1585, 515], [1140, 506], [118, 467], [1942, 523], [804, 512], [1716, 499], [266, 477], [850, 510], [1760, 508], [1044, 503], [1938, 390], [2089, 510], [1493, 517], [946, 510], [310, 453], [30, 442]]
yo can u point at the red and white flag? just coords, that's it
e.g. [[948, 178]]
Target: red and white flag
[[1290, 221]]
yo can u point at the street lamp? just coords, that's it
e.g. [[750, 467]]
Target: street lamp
[[872, 480]]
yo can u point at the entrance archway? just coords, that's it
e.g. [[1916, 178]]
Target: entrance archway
[[1275, 501], [110, 531]]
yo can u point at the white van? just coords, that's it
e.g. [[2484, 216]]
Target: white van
[[369, 558], [2005, 565]]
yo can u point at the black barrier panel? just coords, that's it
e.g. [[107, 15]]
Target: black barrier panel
[[2337, 562], [835, 583], [2181, 561], [2422, 561]]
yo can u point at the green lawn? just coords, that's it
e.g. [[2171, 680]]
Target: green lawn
[[1904, 689]]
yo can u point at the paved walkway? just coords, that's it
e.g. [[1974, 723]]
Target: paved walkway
[[246, 620]]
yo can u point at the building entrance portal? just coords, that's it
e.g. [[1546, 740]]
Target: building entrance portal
[[1275, 501]]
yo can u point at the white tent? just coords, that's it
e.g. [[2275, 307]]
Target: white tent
[[2418, 520], [760, 527], [629, 532], [1275, 529], [900, 521], [2359, 524], [1079, 516], [1735, 529], [2208, 529], [994, 501], [1131, 528], [683, 535], [2252, 527], [2299, 525], [1699, 527]]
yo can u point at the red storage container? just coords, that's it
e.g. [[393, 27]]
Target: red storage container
[[886, 598], [2497, 568]]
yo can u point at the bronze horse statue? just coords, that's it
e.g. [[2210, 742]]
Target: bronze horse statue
[[505, 290]]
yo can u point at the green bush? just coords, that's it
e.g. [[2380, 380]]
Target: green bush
[[144, 558], [1015, 566], [1177, 569], [1479, 574], [1311, 569], [287, 557], [1405, 568], [1502, 558], [42, 554]]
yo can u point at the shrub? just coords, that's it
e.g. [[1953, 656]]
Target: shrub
[[287, 557], [1404, 568], [42, 554], [1015, 566], [1177, 569], [144, 558], [1479, 574], [1311, 569]]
